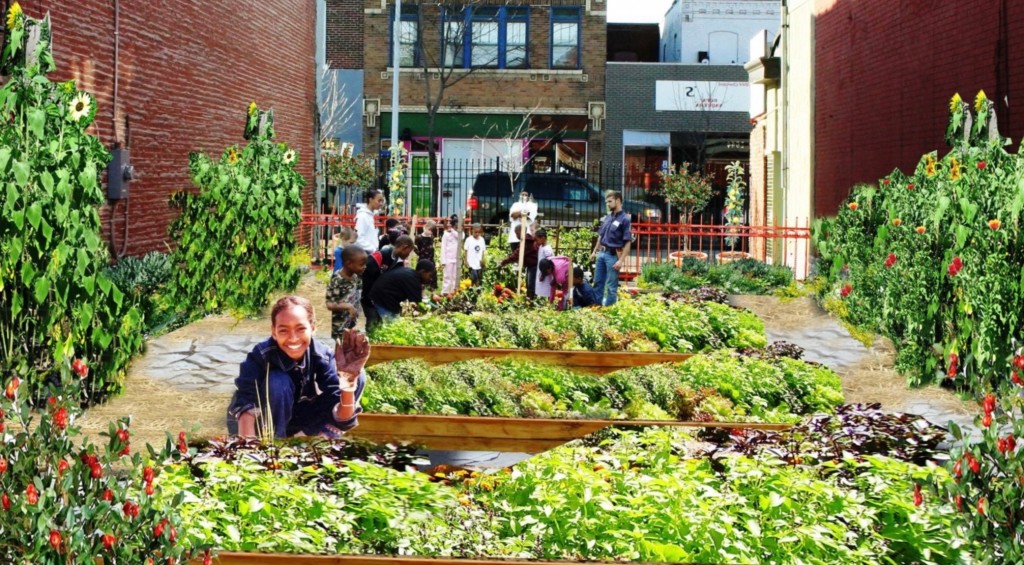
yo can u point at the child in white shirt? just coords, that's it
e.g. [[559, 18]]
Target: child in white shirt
[[542, 286], [450, 255], [475, 247]]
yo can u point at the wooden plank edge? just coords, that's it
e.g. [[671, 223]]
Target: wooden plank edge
[[427, 419], [240, 558]]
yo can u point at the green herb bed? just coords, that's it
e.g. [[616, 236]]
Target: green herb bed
[[646, 323], [719, 386], [634, 496], [744, 276]]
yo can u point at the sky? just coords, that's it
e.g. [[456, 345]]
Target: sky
[[637, 11]]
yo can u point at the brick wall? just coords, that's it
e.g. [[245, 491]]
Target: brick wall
[[524, 90], [885, 72], [345, 34], [630, 101], [184, 85]]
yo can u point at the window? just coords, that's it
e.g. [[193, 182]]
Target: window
[[576, 191], [409, 36], [495, 37], [565, 38]]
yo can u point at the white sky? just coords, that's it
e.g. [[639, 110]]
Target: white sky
[[637, 11]]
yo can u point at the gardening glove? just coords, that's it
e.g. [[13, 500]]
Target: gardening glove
[[350, 355]]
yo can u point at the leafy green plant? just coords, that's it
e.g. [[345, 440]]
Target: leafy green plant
[[933, 259], [743, 276], [690, 191], [63, 499], [236, 235], [145, 280], [735, 193], [54, 294]]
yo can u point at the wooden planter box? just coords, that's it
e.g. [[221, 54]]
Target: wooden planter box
[[596, 362], [520, 435]]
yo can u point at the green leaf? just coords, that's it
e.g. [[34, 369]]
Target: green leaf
[[42, 289], [36, 121], [35, 214], [88, 177], [18, 217], [21, 172], [46, 179], [961, 235], [104, 283], [5, 157]]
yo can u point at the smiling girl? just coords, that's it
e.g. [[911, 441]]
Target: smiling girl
[[296, 384]]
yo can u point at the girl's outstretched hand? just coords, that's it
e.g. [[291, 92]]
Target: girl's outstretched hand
[[350, 355]]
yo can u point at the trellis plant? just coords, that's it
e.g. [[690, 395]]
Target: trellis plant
[[734, 200], [235, 236], [54, 295]]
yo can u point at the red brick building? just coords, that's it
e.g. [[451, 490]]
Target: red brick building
[[884, 73], [184, 73]]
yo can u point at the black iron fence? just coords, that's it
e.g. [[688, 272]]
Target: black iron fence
[[567, 196]]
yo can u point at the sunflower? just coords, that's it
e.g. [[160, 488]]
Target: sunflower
[[980, 100], [289, 156], [954, 103], [232, 155], [252, 108], [14, 15], [954, 169], [929, 166], [80, 106], [465, 283]]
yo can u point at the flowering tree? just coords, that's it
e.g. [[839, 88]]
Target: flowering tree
[[688, 191]]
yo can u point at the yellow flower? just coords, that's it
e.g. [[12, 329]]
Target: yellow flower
[[954, 169], [232, 155], [980, 100], [79, 106], [994, 224], [954, 103], [14, 15], [465, 283], [929, 167], [252, 108], [289, 156], [897, 222]]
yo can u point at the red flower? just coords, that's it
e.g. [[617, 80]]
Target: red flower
[[2, 414], [897, 222], [954, 361], [1018, 361], [981, 164], [885, 182], [182, 444], [62, 466], [12, 388], [1011, 442], [122, 435], [108, 495], [890, 260], [989, 403], [3, 465], [853, 206], [51, 402], [994, 224], [1016, 378], [981, 506], [55, 539], [149, 489], [125, 451], [973, 464], [207, 558], [159, 529], [108, 541], [986, 420], [959, 502], [80, 368], [172, 535], [910, 186], [5, 501], [96, 471], [60, 418], [31, 494], [130, 509], [955, 266], [147, 474], [918, 499], [956, 469], [847, 289], [920, 229]]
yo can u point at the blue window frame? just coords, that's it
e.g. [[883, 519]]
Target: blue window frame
[[566, 24], [409, 38], [494, 37]]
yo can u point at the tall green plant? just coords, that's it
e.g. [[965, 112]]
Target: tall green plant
[[735, 200], [54, 295], [688, 191], [935, 259], [235, 236]]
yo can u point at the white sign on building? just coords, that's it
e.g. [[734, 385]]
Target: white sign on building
[[701, 96]]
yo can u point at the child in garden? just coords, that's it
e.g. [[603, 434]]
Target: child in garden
[[425, 241], [345, 291], [475, 247], [542, 288], [292, 385], [346, 236], [450, 255], [554, 272], [583, 295]]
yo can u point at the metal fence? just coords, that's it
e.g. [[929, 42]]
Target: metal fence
[[652, 242]]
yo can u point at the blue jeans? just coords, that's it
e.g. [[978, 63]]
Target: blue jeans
[[606, 278]]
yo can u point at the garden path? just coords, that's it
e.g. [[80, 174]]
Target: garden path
[[185, 378]]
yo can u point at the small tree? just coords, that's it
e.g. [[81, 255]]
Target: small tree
[[734, 200], [688, 191]]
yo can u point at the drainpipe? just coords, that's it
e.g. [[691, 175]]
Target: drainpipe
[[784, 78]]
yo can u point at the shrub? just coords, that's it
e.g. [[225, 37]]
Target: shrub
[[54, 293], [144, 280]]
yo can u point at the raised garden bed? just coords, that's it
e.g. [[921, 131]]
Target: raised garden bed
[[487, 433], [596, 362]]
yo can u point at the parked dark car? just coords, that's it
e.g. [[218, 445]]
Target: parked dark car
[[561, 199]]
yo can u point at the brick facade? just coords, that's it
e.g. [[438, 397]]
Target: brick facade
[[345, 38], [885, 72], [512, 91], [184, 85]]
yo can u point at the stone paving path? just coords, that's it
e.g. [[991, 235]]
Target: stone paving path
[[186, 377]]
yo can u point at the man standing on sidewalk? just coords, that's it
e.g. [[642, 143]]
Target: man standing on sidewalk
[[611, 250]]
